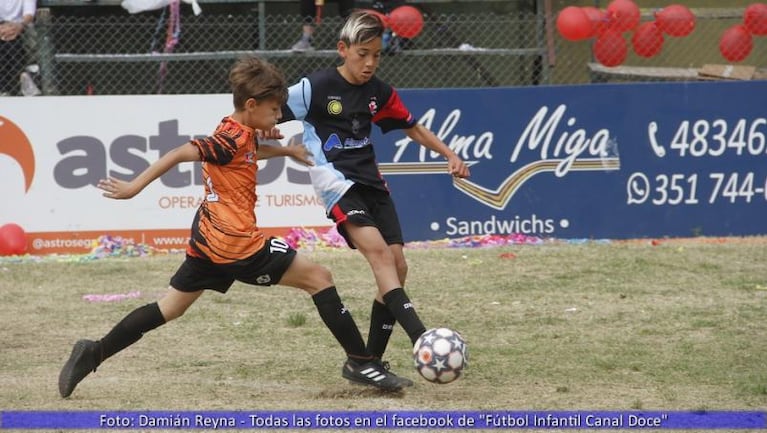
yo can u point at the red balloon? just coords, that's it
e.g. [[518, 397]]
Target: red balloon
[[675, 20], [406, 21], [736, 43], [647, 39], [755, 19], [384, 19], [610, 49], [623, 15], [598, 18], [13, 240], [573, 24]]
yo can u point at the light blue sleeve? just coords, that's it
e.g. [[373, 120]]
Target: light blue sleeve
[[300, 98]]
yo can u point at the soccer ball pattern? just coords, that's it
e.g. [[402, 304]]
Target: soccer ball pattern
[[440, 355]]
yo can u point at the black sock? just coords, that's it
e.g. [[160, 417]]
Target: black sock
[[381, 326], [404, 311], [129, 330], [340, 322]]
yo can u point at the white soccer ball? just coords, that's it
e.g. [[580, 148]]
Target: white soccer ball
[[440, 355]]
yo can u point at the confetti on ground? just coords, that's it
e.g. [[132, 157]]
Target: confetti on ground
[[483, 241], [310, 239], [108, 246], [105, 246], [111, 297]]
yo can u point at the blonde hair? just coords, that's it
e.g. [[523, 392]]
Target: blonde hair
[[252, 77], [361, 27]]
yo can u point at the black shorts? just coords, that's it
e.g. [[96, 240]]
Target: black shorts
[[364, 205], [264, 268]]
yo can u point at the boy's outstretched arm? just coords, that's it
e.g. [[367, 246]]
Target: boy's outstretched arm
[[298, 152], [120, 189], [421, 134]]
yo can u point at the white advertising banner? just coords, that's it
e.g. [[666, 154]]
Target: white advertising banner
[[53, 151]]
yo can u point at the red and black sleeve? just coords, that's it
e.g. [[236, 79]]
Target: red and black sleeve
[[394, 114]]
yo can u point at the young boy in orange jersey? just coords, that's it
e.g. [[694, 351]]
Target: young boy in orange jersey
[[226, 244]]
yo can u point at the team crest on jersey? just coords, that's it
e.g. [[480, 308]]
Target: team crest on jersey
[[335, 107], [250, 158], [373, 105], [333, 142]]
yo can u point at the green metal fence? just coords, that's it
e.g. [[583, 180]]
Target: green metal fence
[[81, 47]]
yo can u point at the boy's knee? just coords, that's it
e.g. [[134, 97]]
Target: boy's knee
[[171, 315], [319, 279], [324, 277], [172, 312], [402, 269], [380, 255]]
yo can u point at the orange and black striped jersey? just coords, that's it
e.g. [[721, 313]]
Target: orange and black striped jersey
[[225, 229]]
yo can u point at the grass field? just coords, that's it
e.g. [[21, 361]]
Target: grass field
[[678, 325]]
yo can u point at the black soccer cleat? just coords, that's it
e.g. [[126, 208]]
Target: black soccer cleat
[[405, 381], [81, 362], [375, 374]]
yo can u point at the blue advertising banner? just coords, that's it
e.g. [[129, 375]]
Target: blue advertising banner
[[593, 161], [410, 420]]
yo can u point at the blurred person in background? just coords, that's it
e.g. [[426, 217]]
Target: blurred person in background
[[311, 14], [15, 17]]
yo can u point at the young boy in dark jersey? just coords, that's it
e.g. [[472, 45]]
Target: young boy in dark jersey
[[226, 244], [338, 107]]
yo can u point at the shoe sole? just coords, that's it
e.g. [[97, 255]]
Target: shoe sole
[[356, 381], [381, 388], [406, 383], [66, 377]]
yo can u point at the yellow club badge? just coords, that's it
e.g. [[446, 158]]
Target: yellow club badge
[[335, 107]]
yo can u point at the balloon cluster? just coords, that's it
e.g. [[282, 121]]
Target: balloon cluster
[[13, 240], [621, 16], [406, 21], [737, 41]]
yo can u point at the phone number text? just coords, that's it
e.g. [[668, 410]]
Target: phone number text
[[701, 138], [692, 189]]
